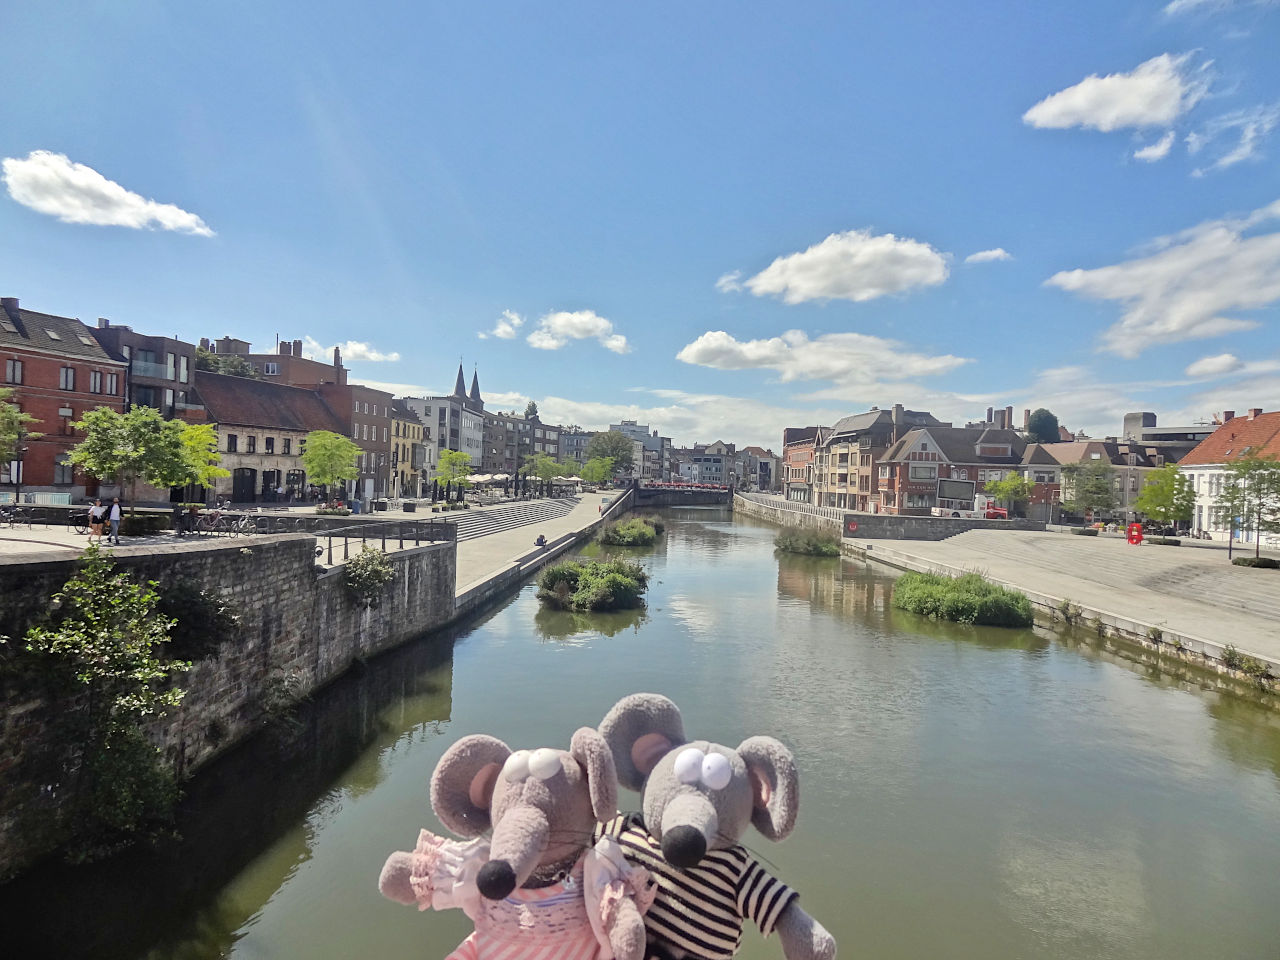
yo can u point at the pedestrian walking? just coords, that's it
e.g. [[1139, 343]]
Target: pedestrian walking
[[97, 515], [114, 516]]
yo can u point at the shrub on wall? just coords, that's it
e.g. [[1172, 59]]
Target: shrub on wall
[[965, 599], [814, 543], [201, 619], [367, 573]]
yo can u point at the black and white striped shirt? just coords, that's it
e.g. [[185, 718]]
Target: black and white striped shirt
[[700, 910]]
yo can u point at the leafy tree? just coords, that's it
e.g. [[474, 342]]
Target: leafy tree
[[546, 468], [133, 446], [597, 470], [454, 467], [200, 448], [1013, 490], [616, 446], [330, 458], [13, 426], [1251, 496], [1167, 497], [231, 364], [1089, 487], [1042, 426], [99, 649], [530, 410]]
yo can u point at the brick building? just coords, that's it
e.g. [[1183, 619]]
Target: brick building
[[409, 465], [799, 447], [846, 463], [161, 370], [945, 467], [57, 371]]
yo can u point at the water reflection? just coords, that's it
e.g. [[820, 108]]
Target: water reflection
[[573, 625]]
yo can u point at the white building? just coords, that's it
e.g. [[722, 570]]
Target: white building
[[1257, 433], [455, 422]]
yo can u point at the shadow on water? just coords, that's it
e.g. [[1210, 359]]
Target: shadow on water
[[167, 892]]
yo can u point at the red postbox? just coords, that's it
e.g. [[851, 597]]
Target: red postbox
[[1135, 533]]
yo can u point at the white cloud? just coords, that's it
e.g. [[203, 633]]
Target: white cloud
[[312, 349], [730, 282], [1155, 151], [1189, 6], [50, 183], [505, 328], [1180, 291], [1254, 126], [1155, 93], [1218, 366], [557, 329], [986, 256], [851, 266], [840, 357]]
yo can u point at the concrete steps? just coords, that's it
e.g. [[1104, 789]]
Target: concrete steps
[[481, 523]]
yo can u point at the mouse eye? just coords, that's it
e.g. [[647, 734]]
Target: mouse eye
[[716, 772], [688, 768], [544, 763], [517, 767]]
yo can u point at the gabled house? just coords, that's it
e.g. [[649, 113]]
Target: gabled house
[[1256, 434], [1043, 463], [945, 467], [846, 468]]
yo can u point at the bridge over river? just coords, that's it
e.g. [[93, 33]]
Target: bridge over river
[[966, 793]]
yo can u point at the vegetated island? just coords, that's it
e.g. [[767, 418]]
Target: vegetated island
[[813, 543], [633, 532], [968, 598], [593, 585]]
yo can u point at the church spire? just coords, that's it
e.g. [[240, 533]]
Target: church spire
[[475, 386], [460, 388]]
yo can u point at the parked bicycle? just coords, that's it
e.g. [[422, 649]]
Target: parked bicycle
[[15, 516], [78, 522]]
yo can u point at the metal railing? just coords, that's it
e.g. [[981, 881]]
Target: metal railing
[[414, 532], [831, 513]]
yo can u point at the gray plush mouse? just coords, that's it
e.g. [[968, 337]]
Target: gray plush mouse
[[697, 800], [538, 887]]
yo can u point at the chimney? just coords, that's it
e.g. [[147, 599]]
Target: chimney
[[103, 323], [1026, 419], [1008, 418], [337, 357], [9, 305], [297, 348], [990, 415], [1228, 415], [285, 348], [1255, 412], [204, 344]]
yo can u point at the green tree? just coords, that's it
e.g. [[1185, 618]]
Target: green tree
[[1250, 498], [530, 410], [546, 468], [99, 649], [615, 445], [13, 426], [454, 467], [1167, 497], [597, 470], [1042, 426], [1014, 490], [133, 446], [1089, 487], [330, 458], [200, 450], [230, 364]]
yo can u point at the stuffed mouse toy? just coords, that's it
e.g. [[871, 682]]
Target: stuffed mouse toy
[[537, 887], [697, 800]]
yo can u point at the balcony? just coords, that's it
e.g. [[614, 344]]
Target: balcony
[[156, 371]]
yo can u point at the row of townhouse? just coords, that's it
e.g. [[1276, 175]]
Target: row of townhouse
[[1254, 434]]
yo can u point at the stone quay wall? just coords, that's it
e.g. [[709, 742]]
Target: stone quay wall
[[872, 526], [299, 629]]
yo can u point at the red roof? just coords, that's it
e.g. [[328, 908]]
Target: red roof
[[244, 402], [1258, 435]]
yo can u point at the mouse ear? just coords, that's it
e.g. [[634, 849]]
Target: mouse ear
[[463, 782], [590, 750], [775, 785], [640, 730]]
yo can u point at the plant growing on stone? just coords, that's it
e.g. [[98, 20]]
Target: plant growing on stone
[[814, 543], [593, 585], [201, 619], [100, 650], [968, 598], [633, 532], [367, 573]]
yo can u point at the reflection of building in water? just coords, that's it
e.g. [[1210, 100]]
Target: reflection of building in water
[[821, 582]]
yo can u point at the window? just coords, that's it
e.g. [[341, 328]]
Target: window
[[924, 448], [183, 371], [366, 408], [233, 443], [288, 443], [13, 371], [357, 409], [53, 334], [1133, 484], [62, 469], [87, 341], [95, 381], [67, 378], [270, 444], [271, 369], [364, 431], [964, 475], [384, 435], [923, 472], [170, 367], [251, 442], [168, 399], [1042, 476], [113, 383]]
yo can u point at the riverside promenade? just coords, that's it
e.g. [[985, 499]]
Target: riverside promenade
[[1190, 594]]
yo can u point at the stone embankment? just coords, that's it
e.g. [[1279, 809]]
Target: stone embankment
[[1183, 603]]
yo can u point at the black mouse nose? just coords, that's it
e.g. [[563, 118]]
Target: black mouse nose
[[496, 880], [683, 846]]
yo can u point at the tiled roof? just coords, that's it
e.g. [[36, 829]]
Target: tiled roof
[[401, 411], [1236, 438], [960, 444], [43, 331], [244, 402]]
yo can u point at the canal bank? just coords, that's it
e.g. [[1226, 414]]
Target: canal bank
[[1186, 604]]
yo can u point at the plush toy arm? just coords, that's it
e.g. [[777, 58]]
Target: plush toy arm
[[439, 874], [617, 894], [804, 938], [393, 882], [626, 932]]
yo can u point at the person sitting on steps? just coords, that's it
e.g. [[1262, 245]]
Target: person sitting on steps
[[541, 542]]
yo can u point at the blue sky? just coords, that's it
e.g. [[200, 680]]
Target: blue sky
[[723, 218]]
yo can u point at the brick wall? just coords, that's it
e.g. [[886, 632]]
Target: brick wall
[[300, 628]]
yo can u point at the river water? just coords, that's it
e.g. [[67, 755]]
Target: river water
[[966, 792]]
